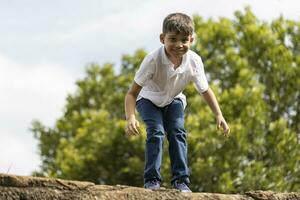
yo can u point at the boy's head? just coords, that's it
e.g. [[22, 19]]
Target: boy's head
[[177, 35], [178, 23]]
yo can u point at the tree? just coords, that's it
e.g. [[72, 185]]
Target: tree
[[88, 142], [256, 74], [253, 68]]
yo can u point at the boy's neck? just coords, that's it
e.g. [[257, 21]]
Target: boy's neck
[[175, 61]]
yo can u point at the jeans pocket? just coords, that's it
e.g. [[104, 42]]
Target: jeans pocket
[[178, 101]]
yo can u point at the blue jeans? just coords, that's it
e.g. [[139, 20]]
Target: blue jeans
[[158, 120]]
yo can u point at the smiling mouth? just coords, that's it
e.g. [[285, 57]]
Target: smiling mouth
[[178, 51]]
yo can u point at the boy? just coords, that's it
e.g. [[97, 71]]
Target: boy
[[157, 94]]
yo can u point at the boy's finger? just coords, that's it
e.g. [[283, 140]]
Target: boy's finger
[[134, 130], [226, 131], [224, 126], [130, 130], [137, 124], [127, 133], [139, 129], [218, 125], [126, 130]]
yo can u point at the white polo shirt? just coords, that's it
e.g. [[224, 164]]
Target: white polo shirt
[[162, 84]]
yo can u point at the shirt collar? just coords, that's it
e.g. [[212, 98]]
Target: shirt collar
[[165, 59]]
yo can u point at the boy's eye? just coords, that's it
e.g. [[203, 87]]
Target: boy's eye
[[173, 39]]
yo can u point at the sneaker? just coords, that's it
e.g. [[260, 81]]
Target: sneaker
[[152, 184], [181, 186]]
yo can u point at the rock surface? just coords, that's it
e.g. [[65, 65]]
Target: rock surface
[[32, 188]]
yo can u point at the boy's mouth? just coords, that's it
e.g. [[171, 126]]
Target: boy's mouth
[[178, 51]]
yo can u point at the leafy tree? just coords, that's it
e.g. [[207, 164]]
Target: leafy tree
[[253, 68], [88, 142], [256, 76]]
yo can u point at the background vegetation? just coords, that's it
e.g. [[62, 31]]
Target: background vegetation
[[253, 68]]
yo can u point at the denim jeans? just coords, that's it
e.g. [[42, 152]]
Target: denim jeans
[[158, 120]]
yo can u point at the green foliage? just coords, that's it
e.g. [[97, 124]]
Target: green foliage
[[254, 70]]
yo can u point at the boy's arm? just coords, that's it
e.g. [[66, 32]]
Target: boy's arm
[[211, 100], [130, 102]]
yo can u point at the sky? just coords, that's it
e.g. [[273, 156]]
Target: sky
[[46, 45]]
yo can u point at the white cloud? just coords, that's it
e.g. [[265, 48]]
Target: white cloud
[[33, 91], [17, 156], [26, 94]]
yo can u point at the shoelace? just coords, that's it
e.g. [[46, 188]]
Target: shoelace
[[154, 182], [181, 183]]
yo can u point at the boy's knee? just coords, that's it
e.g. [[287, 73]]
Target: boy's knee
[[176, 128], [155, 131], [154, 128]]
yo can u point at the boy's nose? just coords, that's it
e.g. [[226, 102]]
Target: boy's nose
[[179, 44]]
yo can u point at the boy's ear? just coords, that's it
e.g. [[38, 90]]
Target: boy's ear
[[192, 39], [162, 38]]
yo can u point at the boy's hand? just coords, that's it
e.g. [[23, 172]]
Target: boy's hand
[[132, 127], [222, 123]]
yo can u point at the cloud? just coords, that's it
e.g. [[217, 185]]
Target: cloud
[[33, 91], [28, 93], [17, 155]]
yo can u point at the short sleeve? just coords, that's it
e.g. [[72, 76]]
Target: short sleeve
[[199, 77], [145, 72]]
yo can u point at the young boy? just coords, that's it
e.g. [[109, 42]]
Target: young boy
[[157, 94]]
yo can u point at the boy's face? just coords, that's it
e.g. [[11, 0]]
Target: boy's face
[[176, 44]]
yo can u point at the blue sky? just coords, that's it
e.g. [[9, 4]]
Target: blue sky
[[45, 46]]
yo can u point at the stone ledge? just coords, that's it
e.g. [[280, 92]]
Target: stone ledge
[[34, 188]]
